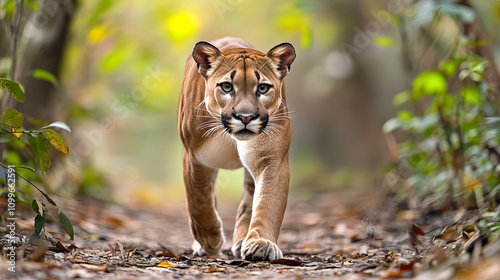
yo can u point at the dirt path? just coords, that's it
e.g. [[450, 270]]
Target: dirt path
[[347, 235]]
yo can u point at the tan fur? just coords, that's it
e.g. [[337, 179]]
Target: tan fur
[[211, 122]]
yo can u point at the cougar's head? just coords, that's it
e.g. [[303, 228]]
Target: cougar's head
[[243, 87]]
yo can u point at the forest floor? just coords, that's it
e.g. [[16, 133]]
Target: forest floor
[[350, 234]]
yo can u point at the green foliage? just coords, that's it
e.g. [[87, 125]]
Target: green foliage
[[40, 142], [451, 147], [489, 222], [45, 76], [39, 221]]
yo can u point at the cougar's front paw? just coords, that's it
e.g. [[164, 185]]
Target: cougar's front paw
[[260, 250]]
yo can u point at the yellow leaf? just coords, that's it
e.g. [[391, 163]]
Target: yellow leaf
[[17, 132], [97, 34], [56, 141], [472, 183], [165, 264], [181, 26]]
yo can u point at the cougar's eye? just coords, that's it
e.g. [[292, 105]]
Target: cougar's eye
[[263, 88], [226, 87]]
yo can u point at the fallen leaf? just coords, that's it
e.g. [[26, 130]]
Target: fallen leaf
[[393, 274], [239, 263], [215, 269], [166, 254], [356, 238], [165, 264], [414, 232], [407, 266], [102, 267], [439, 255], [417, 230], [450, 234], [289, 262], [115, 222]]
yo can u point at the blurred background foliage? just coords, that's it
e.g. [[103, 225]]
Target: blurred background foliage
[[123, 64]]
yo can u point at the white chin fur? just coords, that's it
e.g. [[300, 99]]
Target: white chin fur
[[242, 137], [237, 125]]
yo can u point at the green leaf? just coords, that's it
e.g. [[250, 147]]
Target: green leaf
[[401, 97], [471, 95], [39, 224], [13, 117], [13, 88], [66, 224], [34, 205], [8, 7], [405, 115], [115, 59], [383, 41], [45, 76], [429, 83], [5, 136], [41, 148], [33, 5], [447, 103], [60, 125], [56, 140], [99, 10], [449, 67], [306, 37]]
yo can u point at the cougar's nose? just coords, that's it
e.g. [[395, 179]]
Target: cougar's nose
[[246, 118]]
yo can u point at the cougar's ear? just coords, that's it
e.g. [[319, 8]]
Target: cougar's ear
[[206, 56], [282, 55]]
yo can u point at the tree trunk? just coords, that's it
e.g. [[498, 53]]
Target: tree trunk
[[41, 46]]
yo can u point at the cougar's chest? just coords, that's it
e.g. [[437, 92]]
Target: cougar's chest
[[219, 152]]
